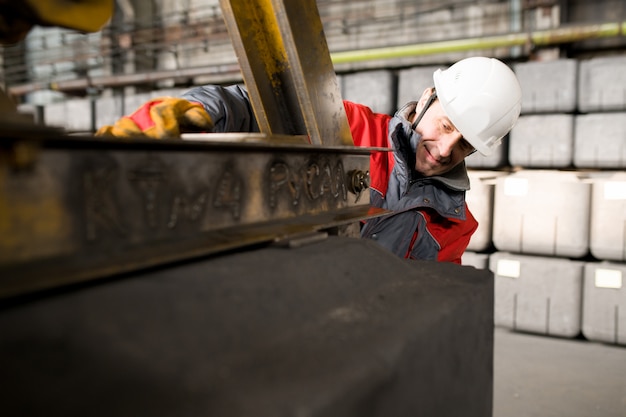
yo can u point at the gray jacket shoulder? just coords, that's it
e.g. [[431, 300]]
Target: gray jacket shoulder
[[229, 107]]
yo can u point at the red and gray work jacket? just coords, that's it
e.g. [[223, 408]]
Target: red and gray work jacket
[[429, 218]]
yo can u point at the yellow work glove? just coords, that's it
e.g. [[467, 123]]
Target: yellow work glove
[[161, 118]]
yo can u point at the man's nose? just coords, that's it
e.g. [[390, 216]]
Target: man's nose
[[447, 144]]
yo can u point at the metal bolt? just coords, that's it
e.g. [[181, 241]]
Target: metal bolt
[[358, 181]]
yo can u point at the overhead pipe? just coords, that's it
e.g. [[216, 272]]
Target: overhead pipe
[[536, 38]]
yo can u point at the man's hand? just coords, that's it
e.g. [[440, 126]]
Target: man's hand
[[160, 118]]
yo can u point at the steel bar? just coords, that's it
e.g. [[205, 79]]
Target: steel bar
[[73, 209]]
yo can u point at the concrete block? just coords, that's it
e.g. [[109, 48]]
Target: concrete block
[[607, 238], [542, 212], [542, 141], [475, 259], [604, 302], [479, 199], [109, 110], [602, 84], [73, 115], [412, 82], [498, 159], [375, 89], [54, 114], [548, 86], [600, 140], [537, 294], [78, 115]]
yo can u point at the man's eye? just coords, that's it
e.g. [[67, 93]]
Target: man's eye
[[466, 145]]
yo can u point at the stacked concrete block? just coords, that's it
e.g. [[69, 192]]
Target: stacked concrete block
[[55, 114], [475, 259], [109, 110], [498, 159], [602, 84], [80, 114], [542, 141], [375, 89], [600, 140], [537, 294], [73, 115], [607, 239], [548, 86], [542, 212], [412, 82], [479, 199], [604, 302]]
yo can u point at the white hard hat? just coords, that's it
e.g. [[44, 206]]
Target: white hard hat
[[482, 97]]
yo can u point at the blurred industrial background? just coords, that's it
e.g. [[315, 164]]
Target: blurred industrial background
[[551, 203]]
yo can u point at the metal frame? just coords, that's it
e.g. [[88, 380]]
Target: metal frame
[[287, 68]]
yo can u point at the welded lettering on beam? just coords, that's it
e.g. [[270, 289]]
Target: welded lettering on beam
[[324, 180], [320, 180], [229, 192], [148, 179], [101, 208], [282, 177], [191, 194], [187, 208]]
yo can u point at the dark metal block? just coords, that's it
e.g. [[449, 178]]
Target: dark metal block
[[334, 328]]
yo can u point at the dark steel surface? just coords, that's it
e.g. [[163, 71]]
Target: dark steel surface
[[335, 328]]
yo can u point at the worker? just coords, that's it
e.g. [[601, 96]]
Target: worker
[[474, 103]]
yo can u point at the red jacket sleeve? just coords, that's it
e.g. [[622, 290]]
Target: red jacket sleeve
[[371, 129]]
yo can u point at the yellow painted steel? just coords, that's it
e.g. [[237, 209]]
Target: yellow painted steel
[[31, 225], [286, 66], [83, 15]]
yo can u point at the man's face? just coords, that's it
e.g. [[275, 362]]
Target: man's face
[[442, 146]]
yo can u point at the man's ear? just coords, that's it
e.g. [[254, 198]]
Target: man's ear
[[424, 98]]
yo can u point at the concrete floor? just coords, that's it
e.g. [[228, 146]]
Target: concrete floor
[[547, 376]]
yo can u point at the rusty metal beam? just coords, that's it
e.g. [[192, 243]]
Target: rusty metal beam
[[74, 209]]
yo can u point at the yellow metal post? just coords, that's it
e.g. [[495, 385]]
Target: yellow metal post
[[286, 65]]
